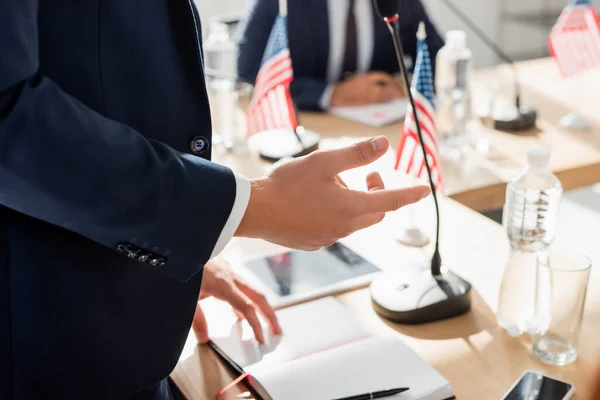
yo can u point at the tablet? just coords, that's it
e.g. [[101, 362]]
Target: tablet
[[294, 277]]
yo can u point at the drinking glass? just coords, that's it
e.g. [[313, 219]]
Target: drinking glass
[[560, 298], [229, 99]]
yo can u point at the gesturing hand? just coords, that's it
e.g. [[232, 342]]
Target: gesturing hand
[[304, 204], [221, 282]]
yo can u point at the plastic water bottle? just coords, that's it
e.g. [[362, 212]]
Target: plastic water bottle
[[219, 50], [530, 218], [453, 70], [219, 60]]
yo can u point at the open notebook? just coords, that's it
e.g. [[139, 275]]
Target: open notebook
[[326, 354]]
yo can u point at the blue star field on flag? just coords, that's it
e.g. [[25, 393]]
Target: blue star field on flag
[[423, 74]]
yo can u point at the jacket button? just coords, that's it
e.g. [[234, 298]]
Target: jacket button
[[144, 258], [157, 262], [199, 145], [133, 253], [123, 248]]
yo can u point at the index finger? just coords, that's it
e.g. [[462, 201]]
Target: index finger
[[392, 199], [262, 304], [384, 77], [244, 305]]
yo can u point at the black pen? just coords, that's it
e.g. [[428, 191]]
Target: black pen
[[376, 395]]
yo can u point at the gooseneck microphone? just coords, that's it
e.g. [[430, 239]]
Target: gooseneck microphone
[[417, 297], [514, 119], [393, 26]]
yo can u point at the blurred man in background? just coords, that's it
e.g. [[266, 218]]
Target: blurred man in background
[[342, 52]]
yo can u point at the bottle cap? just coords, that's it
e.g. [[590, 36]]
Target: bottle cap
[[456, 38], [217, 27], [538, 157]]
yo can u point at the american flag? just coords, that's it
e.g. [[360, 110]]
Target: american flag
[[575, 39], [271, 105], [409, 156]]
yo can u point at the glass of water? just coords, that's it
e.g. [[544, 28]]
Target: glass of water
[[561, 290], [228, 100]]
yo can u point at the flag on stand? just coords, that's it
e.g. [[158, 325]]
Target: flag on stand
[[409, 156], [271, 105], [575, 39]]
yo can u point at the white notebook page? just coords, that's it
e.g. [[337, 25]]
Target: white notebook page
[[373, 364], [307, 328]]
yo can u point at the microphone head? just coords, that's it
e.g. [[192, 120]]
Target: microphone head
[[387, 8]]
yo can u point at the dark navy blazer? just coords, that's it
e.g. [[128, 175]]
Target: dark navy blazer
[[308, 31], [106, 214]]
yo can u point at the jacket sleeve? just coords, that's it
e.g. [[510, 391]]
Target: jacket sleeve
[[65, 164], [252, 36]]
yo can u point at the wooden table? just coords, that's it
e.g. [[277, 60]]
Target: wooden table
[[471, 351], [575, 155]]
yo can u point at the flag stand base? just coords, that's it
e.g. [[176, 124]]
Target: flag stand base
[[413, 237], [275, 144]]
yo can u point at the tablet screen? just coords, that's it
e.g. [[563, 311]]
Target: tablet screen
[[298, 272]]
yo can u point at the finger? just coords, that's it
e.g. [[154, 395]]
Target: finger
[[400, 88], [340, 181], [367, 221], [238, 314], [391, 92], [374, 182], [376, 93], [392, 200], [354, 156], [387, 95], [200, 326], [243, 304], [263, 306], [383, 77]]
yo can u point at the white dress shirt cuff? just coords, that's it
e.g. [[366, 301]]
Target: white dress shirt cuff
[[242, 197], [325, 101]]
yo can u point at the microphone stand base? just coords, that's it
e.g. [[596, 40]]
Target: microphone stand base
[[513, 119], [420, 298], [276, 144], [574, 122]]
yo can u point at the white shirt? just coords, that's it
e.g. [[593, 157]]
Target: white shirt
[[242, 197], [338, 17]]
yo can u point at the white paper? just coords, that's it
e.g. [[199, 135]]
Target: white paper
[[376, 115], [370, 365], [307, 328]]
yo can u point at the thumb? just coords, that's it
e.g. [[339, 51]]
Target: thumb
[[356, 155], [200, 326]]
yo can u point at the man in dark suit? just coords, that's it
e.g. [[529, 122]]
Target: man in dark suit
[[342, 52], [110, 207]]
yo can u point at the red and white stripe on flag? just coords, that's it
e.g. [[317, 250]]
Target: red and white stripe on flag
[[271, 106], [575, 40], [409, 156]]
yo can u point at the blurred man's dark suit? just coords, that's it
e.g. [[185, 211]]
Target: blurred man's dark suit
[[309, 38]]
